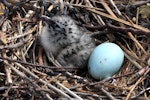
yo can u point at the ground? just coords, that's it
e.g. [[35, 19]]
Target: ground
[[26, 73]]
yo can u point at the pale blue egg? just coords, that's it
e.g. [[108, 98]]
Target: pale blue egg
[[105, 60]]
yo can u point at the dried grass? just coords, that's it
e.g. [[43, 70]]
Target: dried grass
[[24, 64]]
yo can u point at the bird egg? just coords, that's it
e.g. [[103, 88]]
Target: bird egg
[[105, 60]]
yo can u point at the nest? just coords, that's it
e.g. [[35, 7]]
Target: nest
[[27, 74]]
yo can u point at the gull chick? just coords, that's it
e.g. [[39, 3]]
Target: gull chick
[[69, 44]]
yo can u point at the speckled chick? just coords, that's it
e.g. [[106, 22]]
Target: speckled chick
[[66, 41]]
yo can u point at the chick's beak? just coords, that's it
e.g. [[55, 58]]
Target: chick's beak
[[56, 27], [47, 19]]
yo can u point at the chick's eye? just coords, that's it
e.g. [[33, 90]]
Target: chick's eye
[[58, 29], [55, 25]]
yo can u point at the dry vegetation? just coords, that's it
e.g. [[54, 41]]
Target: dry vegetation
[[25, 72]]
